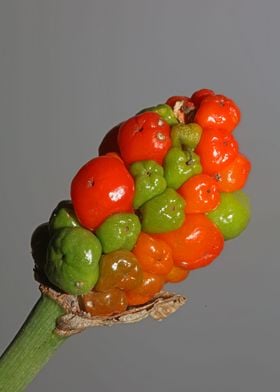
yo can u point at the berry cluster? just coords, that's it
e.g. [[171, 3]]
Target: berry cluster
[[158, 202]]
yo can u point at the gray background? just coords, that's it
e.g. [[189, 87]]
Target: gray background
[[72, 69]]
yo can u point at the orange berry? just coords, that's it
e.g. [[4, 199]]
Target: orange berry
[[119, 269], [154, 255], [151, 285], [104, 303]]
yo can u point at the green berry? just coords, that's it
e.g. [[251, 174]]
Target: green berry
[[179, 166], [165, 112], [232, 214], [73, 260], [186, 136], [163, 213], [149, 181], [63, 216], [119, 231]]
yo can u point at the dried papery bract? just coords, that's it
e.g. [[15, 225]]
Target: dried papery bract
[[75, 320]]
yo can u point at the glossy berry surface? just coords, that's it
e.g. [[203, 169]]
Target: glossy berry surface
[[104, 303], [218, 112], [179, 166], [216, 150], [163, 213], [103, 186], [196, 244], [143, 137], [232, 215], [154, 255], [72, 260], [151, 285], [119, 231], [200, 194], [63, 216], [233, 176], [165, 112], [119, 269], [149, 181]]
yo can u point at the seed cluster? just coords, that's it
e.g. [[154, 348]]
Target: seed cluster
[[158, 202]]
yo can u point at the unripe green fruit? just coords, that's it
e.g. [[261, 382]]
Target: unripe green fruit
[[165, 112], [186, 136], [119, 231], [149, 181], [73, 260], [163, 213], [179, 166], [232, 214], [63, 216]]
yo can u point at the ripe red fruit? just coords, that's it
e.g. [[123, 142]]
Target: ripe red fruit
[[200, 194], [103, 186], [218, 112], [199, 95], [216, 150], [195, 244], [234, 176], [145, 136]]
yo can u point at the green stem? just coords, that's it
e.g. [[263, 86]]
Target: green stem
[[31, 348]]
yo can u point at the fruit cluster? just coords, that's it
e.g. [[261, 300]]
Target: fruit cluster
[[158, 202]]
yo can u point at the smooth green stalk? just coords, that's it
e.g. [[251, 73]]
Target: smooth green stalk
[[31, 348]]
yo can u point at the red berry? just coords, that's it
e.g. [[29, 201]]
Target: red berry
[[199, 95], [216, 150], [234, 176], [103, 186], [218, 112], [195, 244], [144, 137], [200, 193]]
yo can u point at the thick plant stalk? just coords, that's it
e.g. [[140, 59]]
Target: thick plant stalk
[[32, 347], [57, 316]]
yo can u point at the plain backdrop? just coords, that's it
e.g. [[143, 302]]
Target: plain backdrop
[[69, 71]]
